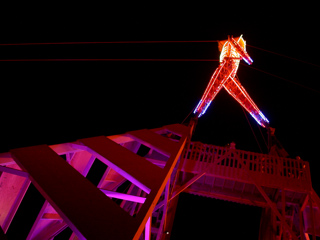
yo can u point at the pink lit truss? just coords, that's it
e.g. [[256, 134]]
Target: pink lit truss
[[232, 51], [137, 195]]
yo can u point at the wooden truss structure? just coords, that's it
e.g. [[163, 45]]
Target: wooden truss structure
[[139, 192]]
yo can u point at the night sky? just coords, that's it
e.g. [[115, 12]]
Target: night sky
[[56, 102]]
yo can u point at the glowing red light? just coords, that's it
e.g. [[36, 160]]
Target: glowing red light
[[232, 51]]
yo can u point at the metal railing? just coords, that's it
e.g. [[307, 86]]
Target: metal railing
[[233, 163]]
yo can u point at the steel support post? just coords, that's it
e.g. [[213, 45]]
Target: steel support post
[[312, 218], [283, 209]]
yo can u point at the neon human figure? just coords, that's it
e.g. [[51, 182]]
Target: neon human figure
[[232, 51]]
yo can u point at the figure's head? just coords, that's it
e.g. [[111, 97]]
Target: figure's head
[[234, 48]]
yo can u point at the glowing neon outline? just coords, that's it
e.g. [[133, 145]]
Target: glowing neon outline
[[234, 53], [250, 101]]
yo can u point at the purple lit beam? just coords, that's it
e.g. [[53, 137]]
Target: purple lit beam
[[136, 169], [123, 196]]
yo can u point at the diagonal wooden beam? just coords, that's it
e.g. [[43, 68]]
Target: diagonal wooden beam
[[305, 202], [52, 216], [133, 167], [187, 184], [193, 180], [283, 209], [83, 207], [138, 170], [275, 210], [268, 200], [72, 195], [16, 204], [302, 236], [165, 210], [52, 230], [123, 196], [315, 197], [6, 159], [306, 235], [154, 141], [147, 231], [147, 208], [35, 224], [313, 228], [198, 176], [73, 237], [46, 222], [13, 171]]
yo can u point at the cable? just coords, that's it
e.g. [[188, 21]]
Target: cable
[[188, 115], [114, 42], [255, 137], [106, 59], [298, 84], [282, 55], [264, 140]]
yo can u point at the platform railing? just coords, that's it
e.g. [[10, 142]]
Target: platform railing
[[232, 163]]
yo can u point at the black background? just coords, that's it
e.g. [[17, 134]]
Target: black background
[[56, 102]]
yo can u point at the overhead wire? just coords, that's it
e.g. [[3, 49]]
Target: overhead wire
[[255, 137], [264, 140], [156, 60], [107, 42], [147, 42], [287, 80], [107, 59], [282, 55], [188, 114]]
